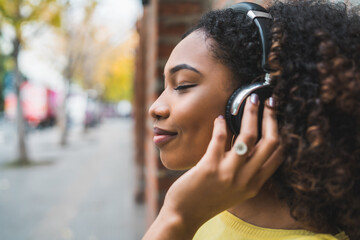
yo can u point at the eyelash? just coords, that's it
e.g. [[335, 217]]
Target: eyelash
[[182, 87]]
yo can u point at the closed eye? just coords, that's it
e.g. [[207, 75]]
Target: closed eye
[[182, 87]]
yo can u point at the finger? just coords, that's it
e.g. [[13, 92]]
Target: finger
[[248, 132], [269, 123], [269, 140], [249, 127], [217, 143]]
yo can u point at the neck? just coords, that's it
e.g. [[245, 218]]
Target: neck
[[266, 210]]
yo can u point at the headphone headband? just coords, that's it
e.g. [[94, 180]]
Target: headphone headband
[[260, 17], [257, 14]]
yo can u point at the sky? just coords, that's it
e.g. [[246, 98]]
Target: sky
[[40, 62], [123, 13]]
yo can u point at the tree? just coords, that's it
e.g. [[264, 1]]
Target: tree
[[93, 62], [3, 69], [77, 41], [115, 71], [18, 13]]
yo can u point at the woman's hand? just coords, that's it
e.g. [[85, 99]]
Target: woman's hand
[[221, 179]]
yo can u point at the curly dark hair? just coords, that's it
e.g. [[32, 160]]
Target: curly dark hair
[[315, 58]]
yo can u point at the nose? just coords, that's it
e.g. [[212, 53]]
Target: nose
[[159, 109]]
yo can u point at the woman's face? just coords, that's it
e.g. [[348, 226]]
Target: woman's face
[[197, 88]]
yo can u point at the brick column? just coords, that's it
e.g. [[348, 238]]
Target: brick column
[[144, 82], [150, 22], [139, 113]]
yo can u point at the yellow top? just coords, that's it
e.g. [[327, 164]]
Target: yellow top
[[226, 226]]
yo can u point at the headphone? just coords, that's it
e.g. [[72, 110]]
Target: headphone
[[235, 105]]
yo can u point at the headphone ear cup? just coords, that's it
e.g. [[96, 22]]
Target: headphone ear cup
[[234, 121]]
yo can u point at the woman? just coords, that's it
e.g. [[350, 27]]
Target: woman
[[300, 180]]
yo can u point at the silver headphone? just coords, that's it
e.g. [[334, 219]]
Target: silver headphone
[[236, 103]]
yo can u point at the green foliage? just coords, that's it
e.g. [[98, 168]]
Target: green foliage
[[17, 13], [115, 71], [20, 12], [118, 81]]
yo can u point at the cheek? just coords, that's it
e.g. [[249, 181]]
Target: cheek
[[196, 134], [196, 118], [197, 114]]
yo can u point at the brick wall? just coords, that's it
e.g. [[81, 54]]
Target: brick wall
[[160, 29], [144, 85]]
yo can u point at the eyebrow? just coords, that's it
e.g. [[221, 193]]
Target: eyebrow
[[183, 66]]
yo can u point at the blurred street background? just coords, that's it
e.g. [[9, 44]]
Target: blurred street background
[[83, 191], [67, 168]]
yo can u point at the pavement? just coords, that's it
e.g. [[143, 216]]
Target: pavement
[[84, 191]]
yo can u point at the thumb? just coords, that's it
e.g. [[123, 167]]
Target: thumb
[[217, 144]]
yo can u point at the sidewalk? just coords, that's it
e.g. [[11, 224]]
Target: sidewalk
[[84, 191]]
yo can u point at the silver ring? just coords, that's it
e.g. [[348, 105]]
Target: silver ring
[[240, 148]]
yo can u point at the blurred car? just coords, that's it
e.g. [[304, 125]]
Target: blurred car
[[124, 108]]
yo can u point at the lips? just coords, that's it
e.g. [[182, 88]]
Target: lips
[[161, 136]]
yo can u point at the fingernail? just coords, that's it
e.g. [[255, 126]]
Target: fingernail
[[254, 98], [271, 102], [221, 117]]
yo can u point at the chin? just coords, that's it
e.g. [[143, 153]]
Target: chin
[[177, 163]]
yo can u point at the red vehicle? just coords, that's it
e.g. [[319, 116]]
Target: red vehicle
[[39, 105]]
